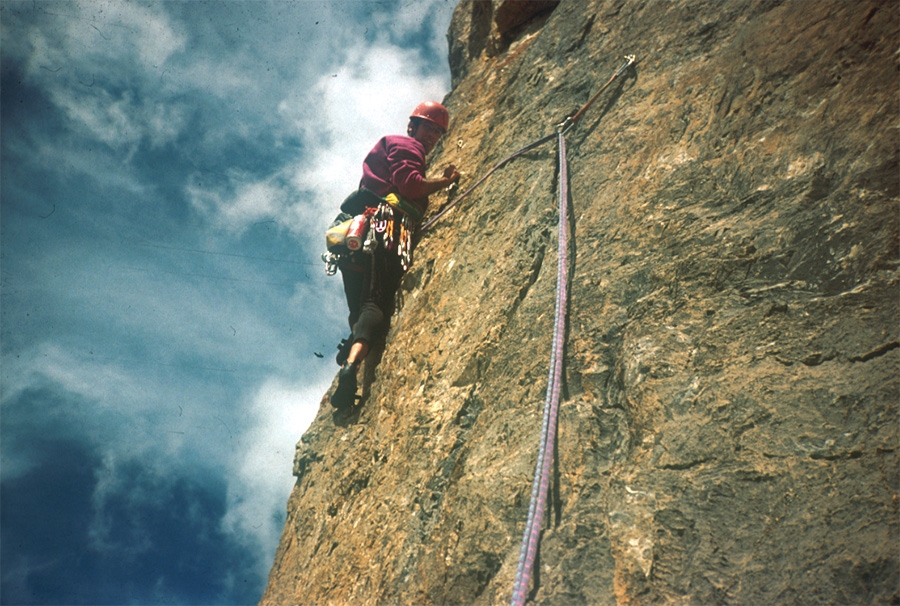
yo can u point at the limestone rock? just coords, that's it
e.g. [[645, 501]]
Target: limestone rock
[[730, 426]]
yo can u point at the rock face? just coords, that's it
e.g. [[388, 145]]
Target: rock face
[[729, 429]]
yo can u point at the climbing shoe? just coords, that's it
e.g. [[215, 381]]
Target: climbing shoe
[[344, 350], [345, 395]]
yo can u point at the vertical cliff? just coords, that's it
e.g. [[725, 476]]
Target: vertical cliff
[[729, 430]]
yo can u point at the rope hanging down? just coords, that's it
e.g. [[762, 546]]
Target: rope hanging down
[[541, 484]]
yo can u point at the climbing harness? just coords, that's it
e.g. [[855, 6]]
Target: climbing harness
[[541, 484], [389, 221], [565, 127]]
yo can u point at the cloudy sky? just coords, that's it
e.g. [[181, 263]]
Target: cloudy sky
[[168, 170]]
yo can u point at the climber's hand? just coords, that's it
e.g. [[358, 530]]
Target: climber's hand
[[451, 175]]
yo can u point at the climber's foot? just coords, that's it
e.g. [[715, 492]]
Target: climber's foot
[[345, 395]]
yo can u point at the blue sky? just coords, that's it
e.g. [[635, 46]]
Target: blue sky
[[168, 169]]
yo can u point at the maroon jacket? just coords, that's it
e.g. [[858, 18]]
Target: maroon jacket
[[396, 165]]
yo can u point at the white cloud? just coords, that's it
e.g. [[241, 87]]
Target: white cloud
[[82, 51], [143, 64], [433, 15], [131, 418], [249, 203], [120, 122], [111, 484], [260, 477], [124, 408], [205, 310], [128, 26], [324, 297]]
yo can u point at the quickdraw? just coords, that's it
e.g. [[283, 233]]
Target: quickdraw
[[396, 229]]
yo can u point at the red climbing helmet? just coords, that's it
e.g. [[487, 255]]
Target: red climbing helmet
[[433, 112]]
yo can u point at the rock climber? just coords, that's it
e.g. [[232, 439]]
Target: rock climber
[[396, 165]]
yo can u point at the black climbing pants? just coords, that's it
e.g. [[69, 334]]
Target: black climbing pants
[[370, 285]]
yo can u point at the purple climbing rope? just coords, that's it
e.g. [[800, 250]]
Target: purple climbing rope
[[541, 485]]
